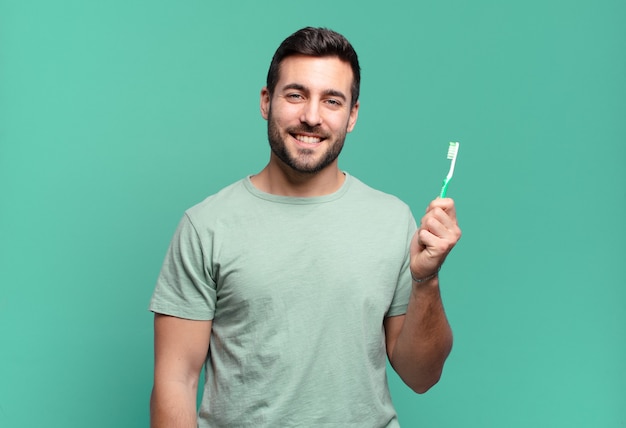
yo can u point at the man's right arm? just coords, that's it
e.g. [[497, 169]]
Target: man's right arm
[[180, 349]]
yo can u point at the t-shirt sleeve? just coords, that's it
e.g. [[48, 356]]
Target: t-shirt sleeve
[[403, 287], [184, 287]]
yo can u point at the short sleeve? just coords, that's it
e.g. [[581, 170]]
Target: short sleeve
[[184, 287], [403, 288]]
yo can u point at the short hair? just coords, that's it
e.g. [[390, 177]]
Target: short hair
[[316, 42]]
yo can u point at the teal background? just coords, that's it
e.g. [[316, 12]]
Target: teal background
[[116, 116]]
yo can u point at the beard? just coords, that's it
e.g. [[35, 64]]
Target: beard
[[303, 160]]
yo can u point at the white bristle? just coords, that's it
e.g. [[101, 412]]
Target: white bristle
[[454, 147]]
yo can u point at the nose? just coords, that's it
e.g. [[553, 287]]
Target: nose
[[311, 113]]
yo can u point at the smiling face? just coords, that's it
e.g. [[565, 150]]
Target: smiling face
[[309, 113]]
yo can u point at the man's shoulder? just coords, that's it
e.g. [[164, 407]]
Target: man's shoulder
[[223, 200], [370, 195]]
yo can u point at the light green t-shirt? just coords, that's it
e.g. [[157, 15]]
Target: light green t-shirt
[[297, 289]]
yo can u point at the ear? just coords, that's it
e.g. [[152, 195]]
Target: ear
[[354, 115], [265, 102]]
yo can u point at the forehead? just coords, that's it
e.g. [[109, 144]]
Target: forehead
[[321, 73]]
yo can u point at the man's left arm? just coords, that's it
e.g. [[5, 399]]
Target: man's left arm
[[419, 342]]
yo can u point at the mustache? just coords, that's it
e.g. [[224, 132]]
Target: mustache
[[306, 129]]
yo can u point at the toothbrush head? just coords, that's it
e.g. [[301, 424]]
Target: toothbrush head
[[453, 149]]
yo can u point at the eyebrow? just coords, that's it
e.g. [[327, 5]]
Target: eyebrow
[[327, 92]]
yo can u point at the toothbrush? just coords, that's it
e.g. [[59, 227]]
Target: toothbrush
[[453, 150]]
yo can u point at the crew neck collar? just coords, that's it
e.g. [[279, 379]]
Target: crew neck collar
[[296, 199]]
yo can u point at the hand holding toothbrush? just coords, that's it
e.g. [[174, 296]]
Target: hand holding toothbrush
[[419, 342], [438, 232]]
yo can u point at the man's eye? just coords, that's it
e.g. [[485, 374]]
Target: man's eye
[[333, 102], [294, 96]]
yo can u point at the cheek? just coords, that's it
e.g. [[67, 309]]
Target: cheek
[[341, 125], [286, 113]]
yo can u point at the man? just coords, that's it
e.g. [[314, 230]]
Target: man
[[294, 285]]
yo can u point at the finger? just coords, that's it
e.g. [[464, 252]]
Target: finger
[[446, 204], [444, 212], [438, 236], [426, 238], [438, 216], [433, 245], [436, 228], [443, 217]]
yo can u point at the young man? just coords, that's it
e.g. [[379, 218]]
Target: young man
[[294, 285]]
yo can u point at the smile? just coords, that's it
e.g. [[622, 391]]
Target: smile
[[307, 139]]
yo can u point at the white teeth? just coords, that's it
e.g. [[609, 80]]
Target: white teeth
[[307, 139]]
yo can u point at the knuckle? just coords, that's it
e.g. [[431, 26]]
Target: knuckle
[[443, 247]]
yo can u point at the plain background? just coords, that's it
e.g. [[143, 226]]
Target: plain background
[[116, 116]]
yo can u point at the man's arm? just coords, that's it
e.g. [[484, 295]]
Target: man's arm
[[419, 342], [180, 349]]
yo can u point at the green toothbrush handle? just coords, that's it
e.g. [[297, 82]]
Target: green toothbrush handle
[[444, 188]]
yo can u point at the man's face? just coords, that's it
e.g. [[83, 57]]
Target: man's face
[[309, 113]]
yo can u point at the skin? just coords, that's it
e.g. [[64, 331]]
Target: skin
[[311, 99], [419, 342], [309, 115], [180, 349]]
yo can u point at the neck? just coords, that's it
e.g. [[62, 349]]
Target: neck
[[283, 181]]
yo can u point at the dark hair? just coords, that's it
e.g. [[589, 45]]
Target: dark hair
[[318, 42]]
